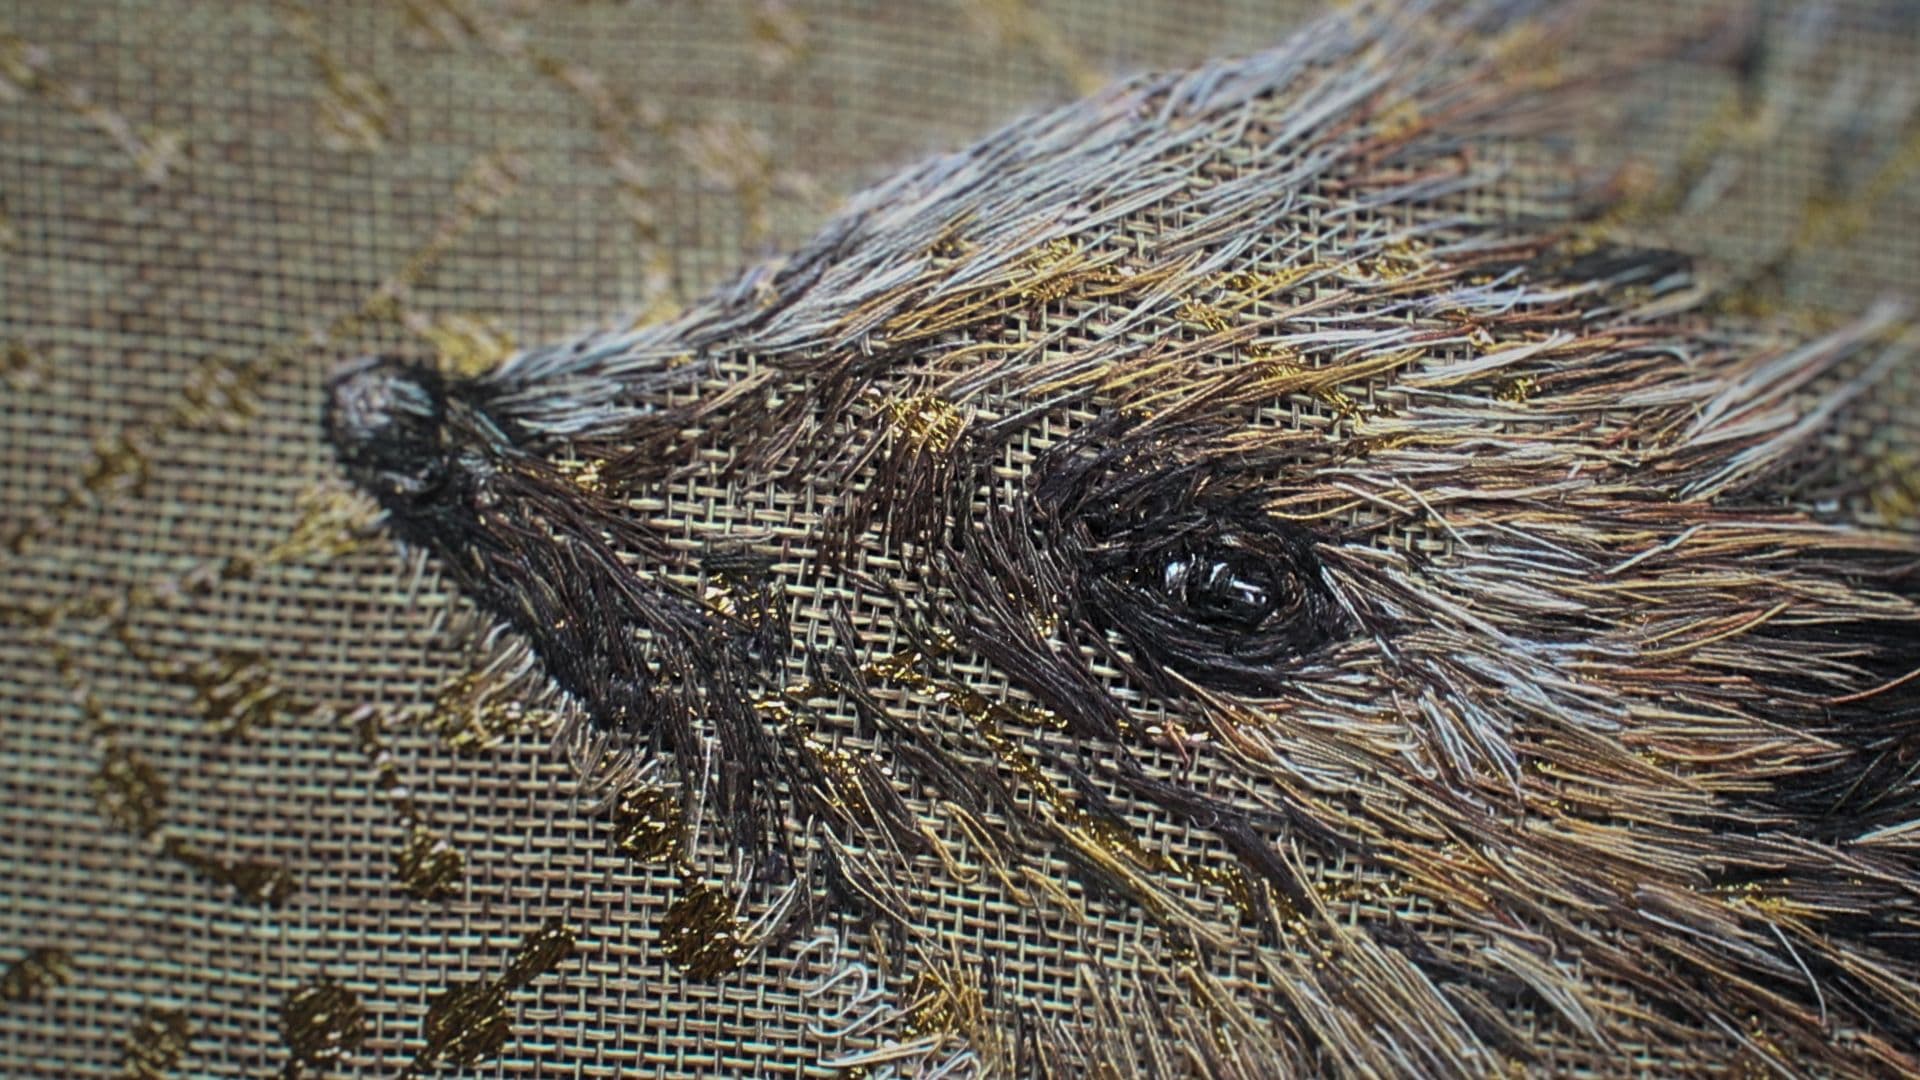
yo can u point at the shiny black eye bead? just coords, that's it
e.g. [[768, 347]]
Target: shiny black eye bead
[[1224, 588]]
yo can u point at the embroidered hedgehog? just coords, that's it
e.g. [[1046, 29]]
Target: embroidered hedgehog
[[1347, 611]]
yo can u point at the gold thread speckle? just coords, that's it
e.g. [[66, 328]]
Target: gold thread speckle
[[1106, 842], [260, 881], [237, 692], [155, 152], [333, 522], [1016, 22], [1895, 496], [471, 713], [469, 1022], [647, 824], [355, 113], [119, 466], [584, 474], [321, 1022], [730, 155], [428, 865], [20, 367], [156, 1044], [129, 791], [1518, 391], [132, 795], [932, 1007], [36, 973], [465, 1025], [703, 935], [927, 422], [464, 346], [779, 35]]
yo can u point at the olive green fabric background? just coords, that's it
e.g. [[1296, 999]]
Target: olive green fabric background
[[204, 207]]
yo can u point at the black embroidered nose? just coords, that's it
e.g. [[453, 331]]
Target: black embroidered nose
[[384, 418]]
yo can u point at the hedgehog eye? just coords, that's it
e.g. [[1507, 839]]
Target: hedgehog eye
[[1233, 600], [1171, 562], [1227, 588]]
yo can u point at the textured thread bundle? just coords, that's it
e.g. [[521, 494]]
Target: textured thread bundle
[[1584, 721]]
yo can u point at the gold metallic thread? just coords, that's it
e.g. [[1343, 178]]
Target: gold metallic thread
[[1517, 391], [155, 152], [332, 523], [779, 35], [702, 934], [354, 113], [927, 422], [322, 1023], [129, 791], [647, 824], [428, 866], [1108, 842], [470, 713], [1895, 497], [467, 1023], [236, 689], [156, 1044], [132, 795], [19, 365], [35, 973], [237, 692], [584, 474], [932, 1009], [1018, 22], [841, 769], [464, 346], [540, 951], [260, 881], [119, 467]]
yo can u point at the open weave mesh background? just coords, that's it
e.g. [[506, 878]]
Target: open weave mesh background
[[217, 723]]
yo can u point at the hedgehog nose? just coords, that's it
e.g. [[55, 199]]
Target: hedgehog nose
[[376, 401], [360, 394]]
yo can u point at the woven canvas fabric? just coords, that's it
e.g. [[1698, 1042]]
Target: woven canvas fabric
[[263, 811]]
